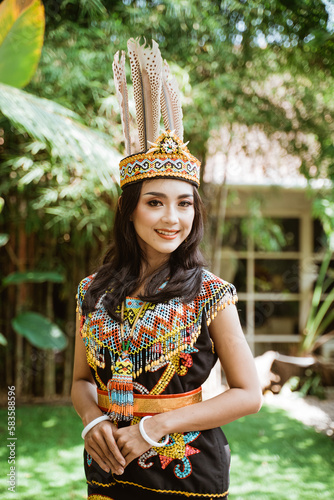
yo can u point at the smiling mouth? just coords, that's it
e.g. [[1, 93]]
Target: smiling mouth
[[166, 232]]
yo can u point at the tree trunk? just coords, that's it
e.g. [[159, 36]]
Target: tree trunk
[[49, 359], [70, 332], [20, 374], [8, 306]]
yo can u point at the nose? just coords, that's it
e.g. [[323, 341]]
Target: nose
[[170, 216]]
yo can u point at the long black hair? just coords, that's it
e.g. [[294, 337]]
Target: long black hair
[[120, 270]]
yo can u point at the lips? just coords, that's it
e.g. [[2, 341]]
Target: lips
[[166, 232]]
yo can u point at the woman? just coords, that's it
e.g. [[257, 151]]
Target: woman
[[151, 324]]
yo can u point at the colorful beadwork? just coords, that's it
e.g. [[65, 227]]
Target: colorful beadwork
[[177, 448], [99, 497], [163, 339], [168, 157], [120, 389], [169, 330], [120, 386]]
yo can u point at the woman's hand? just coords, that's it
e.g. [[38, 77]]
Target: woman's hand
[[100, 443], [130, 442]]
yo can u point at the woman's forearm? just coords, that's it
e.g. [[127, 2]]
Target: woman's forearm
[[220, 410], [99, 441], [84, 399]]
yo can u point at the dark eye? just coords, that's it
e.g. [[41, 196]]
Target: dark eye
[[154, 203], [185, 203]]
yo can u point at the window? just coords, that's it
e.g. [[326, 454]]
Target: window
[[273, 286]]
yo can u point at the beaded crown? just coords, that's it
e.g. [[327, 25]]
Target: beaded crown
[[168, 158], [164, 155]]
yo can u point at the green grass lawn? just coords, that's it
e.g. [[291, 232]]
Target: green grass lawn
[[49, 454], [273, 457], [276, 457]]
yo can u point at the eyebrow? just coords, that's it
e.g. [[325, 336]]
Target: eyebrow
[[163, 195]]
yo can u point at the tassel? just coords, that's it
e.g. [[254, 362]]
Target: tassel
[[120, 389]]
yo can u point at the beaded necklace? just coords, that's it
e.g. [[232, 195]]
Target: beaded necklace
[[165, 333], [120, 386]]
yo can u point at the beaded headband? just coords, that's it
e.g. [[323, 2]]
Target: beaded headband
[[168, 158], [164, 155]]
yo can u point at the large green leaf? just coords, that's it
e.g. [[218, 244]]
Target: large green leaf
[[40, 331], [21, 40], [33, 277], [4, 238], [55, 125], [3, 340]]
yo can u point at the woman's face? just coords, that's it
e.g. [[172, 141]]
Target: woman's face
[[163, 217]]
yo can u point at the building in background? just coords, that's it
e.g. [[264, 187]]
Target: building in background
[[258, 195]]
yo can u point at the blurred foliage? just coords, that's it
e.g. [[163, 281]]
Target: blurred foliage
[[321, 313], [32, 277], [263, 63], [3, 340], [267, 234], [21, 40], [257, 62], [40, 331], [59, 138], [50, 160], [323, 209], [309, 385]]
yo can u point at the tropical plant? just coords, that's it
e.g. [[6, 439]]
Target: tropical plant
[[21, 41], [321, 312], [62, 158], [60, 130], [262, 64], [39, 330]]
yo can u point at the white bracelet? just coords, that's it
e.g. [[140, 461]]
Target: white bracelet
[[92, 424], [147, 438]]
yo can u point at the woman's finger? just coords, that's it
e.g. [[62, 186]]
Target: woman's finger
[[130, 442], [101, 440], [101, 449], [97, 458], [110, 434]]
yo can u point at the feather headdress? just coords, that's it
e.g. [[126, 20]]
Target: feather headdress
[[171, 103], [122, 97], [154, 92], [146, 68]]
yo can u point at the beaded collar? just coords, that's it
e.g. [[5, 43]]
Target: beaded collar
[[159, 331]]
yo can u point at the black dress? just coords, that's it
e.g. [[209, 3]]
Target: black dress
[[172, 353]]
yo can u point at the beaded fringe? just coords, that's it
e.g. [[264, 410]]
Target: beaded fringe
[[151, 357], [120, 389], [213, 308]]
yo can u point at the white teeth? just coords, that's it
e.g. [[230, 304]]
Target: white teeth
[[166, 233]]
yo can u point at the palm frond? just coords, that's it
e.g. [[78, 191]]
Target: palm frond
[[60, 129]]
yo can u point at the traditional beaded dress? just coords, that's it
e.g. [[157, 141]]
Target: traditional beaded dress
[[171, 353]]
